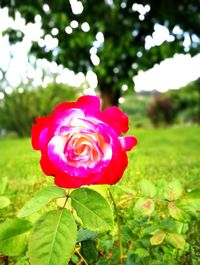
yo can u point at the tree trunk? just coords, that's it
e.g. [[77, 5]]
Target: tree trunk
[[109, 96]]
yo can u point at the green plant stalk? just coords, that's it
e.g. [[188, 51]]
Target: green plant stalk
[[177, 251], [118, 230], [82, 258], [67, 197]]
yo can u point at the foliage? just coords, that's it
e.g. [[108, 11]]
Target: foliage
[[181, 106], [19, 110], [54, 235], [161, 111], [158, 217], [11, 231], [4, 200], [186, 102], [136, 105], [53, 238], [40, 199], [160, 154], [92, 209], [123, 53]]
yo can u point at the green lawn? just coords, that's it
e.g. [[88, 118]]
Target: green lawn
[[170, 153]]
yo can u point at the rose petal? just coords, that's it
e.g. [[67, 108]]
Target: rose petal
[[79, 144], [84, 103], [57, 157], [46, 165], [67, 118], [114, 171], [41, 124], [59, 109], [116, 119], [128, 142], [88, 103], [67, 181]]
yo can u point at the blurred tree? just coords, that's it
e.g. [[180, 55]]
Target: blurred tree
[[186, 102], [111, 37]]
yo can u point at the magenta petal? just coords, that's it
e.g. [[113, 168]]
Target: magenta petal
[[115, 118], [67, 181], [99, 157], [41, 124], [64, 130], [62, 107], [88, 102], [128, 142], [43, 138]]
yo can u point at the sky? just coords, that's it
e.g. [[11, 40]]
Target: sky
[[172, 73]]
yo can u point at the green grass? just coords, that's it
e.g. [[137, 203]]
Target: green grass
[[170, 153]]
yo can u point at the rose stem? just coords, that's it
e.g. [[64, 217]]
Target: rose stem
[[118, 229], [67, 197], [82, 258]]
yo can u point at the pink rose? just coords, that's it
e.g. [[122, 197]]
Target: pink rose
[[80, 145]]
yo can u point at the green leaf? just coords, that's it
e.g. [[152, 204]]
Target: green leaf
[[142, 242], [102, 189], [142, 252], [93, 209], [53, 239], [176, 240], [174, 190], [106, 245], [193, 195], [147, 188], [151, 229], [162, 187], [13, 236], [144, 206], [4, 184], [158, 238], [191, 207], [128, 234], [190, 202], [85, 234], [4, 202], [168, 224], [74, 259], [133, 259], [178, 213], [103, 261], [89, 251], [41, 198]]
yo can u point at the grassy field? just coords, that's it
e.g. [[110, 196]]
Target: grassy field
[[170, 153]]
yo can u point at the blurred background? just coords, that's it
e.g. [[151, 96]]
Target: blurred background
[[143, 56]]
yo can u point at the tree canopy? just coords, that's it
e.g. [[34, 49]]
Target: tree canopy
[[110, 37]]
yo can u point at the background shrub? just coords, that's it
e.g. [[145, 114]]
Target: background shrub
[[19, 110], [186, 102], [161, 110], [180, 106]]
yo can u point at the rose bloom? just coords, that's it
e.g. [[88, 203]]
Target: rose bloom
[[80, 145]]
